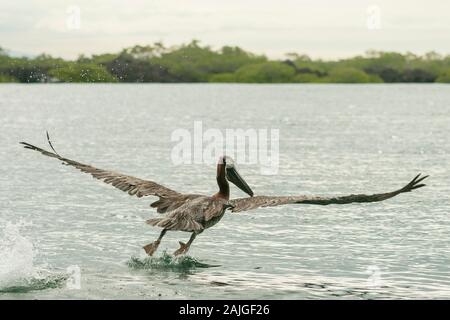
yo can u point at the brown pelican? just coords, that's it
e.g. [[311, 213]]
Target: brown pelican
[[193, 212]]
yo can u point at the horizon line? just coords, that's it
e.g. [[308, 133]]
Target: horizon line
[[284, 56]]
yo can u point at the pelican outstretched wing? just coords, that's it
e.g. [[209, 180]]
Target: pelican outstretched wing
[[250, 203], [132, 185]]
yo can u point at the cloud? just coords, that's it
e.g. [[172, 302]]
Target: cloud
[[318, 27]]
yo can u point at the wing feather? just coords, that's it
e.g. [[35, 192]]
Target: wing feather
[[244, 204], [131, 185]]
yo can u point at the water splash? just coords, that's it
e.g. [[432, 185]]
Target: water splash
[[37, 282], [17, 270], [167, 262], [16, 254]]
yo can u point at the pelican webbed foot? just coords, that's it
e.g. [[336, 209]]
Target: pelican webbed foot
[[183, 248], [151, 247]]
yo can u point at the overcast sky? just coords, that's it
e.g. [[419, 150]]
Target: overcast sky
[[319, 28]]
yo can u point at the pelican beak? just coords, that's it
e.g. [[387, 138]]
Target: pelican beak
[[234, 177]]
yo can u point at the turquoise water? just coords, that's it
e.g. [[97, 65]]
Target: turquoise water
[[65, 235]]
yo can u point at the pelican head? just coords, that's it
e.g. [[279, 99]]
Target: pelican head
[[233, 175]]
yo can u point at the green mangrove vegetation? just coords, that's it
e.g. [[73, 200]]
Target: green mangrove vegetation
[[194, 62]]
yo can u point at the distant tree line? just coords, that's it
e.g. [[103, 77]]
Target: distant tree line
[[193, 62]]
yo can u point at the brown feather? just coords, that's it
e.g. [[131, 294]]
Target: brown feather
[[250, 203], [130, 184]]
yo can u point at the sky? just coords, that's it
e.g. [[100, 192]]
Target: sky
[[319, 28]]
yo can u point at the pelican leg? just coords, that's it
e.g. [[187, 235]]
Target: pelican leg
[[184, 247], [151, 247]]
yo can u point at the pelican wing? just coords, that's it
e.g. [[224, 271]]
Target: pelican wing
[[244, 204], [132, 185]]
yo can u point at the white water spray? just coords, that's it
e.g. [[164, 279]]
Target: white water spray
[[16, 255]]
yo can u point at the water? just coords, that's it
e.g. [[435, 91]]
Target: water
[[65, 235]]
